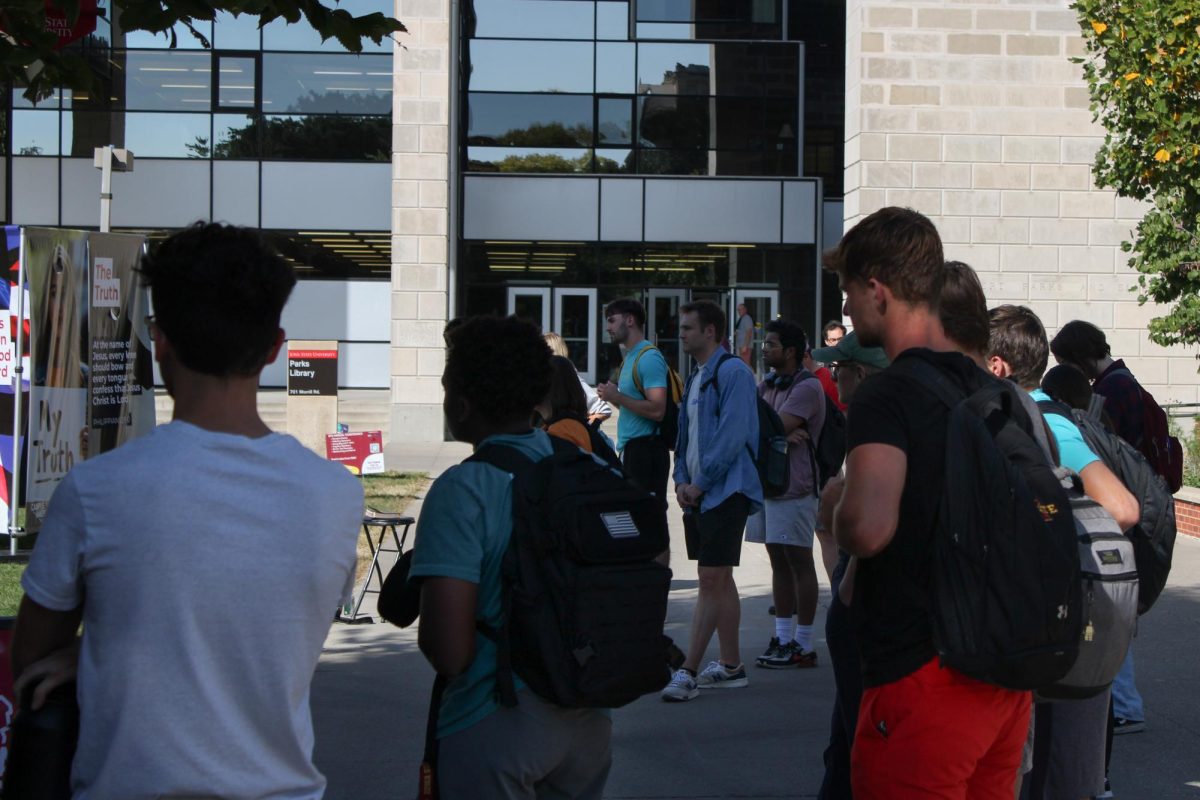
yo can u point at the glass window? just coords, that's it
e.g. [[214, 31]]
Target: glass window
[[614, 120], [674, 123], [673, 162], [236, 33], [327, 83], [521, 159], [326, 138], [167, 81], [84, 131], [615, 72], [237, 77], [666, 30], [184, 38], [710, 19], [614, 160], [279, 35], [34, 133], [674, 68], [612, 20], [664, 10], [235, 136], [530, 66], [168, 135], [530, 120], [534, 19], [19, 101], [739, 124]]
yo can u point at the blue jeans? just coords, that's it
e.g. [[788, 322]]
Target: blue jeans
[[1127, 703]]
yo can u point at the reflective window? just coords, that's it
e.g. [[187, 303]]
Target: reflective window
[[19, 101], [664, 10], [612, 20], [709, 19], [167, 81], [666, 30], [34, 133], [84, 131], [615, 72], [614, 120], [613, 160], [327, 84], [673, 123], [325, 138], [279, 35], [184, 39], [535, 19], [674, 68], [169, 135], [517, 159], [530, 120], [236, 80], [236, 33], [530, 66], [235, 136]]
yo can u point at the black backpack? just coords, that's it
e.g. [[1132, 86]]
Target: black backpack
[[668, 426], [600, 446], [1154, 536], [1006, 596], [583, 600], [771, 460]]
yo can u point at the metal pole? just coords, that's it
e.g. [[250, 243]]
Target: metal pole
[[105, 186], [18, 373]]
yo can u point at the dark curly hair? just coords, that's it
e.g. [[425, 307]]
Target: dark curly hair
[[790, 335], [501, 365], [218, 293]]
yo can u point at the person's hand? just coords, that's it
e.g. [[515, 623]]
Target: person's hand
[[689, 495], [608, 392], [46, 675], [798, 436]]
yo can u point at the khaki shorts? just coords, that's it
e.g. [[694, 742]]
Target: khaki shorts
[[791, 522]]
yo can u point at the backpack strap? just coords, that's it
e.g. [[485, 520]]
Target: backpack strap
[[430, 757], [637, 381], [933, 379]]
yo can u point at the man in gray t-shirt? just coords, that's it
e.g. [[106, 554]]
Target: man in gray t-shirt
[[205, 560], [743, 341]]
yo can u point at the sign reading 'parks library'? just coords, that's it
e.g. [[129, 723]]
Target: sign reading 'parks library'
[[312, 372]]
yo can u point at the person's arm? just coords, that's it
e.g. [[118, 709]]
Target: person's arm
[[596, 408], [1106, 489], [654, 407], [830, 495], [866, 518], [44, 648], [447, 631], [805, 402]]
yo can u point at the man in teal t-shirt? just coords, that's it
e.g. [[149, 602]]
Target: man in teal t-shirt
[[643, 402], [496, 371]]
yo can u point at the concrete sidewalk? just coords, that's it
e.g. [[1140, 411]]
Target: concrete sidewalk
[[371, 694]]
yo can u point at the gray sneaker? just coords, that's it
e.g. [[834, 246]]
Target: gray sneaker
[[682, 687], [715, 676], [773, 651]]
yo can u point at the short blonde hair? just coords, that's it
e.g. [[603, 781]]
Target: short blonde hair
[[557, 346]]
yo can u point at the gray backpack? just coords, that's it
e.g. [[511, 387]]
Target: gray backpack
[[1110, 591]]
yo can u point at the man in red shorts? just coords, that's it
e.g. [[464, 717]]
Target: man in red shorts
[[924, 731]]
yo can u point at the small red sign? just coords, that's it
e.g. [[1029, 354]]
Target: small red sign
[[57, 22], [361, 453]]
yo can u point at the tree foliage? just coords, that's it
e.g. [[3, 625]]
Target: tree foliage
[[1143, 71], [29, 54]]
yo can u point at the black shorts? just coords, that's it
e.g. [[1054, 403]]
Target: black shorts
[[647, 463], [714, 538]]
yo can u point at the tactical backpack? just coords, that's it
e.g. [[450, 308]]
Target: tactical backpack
[[583, 601], [1154, 536], [771, 458], [1161, 449], [1006, 596], [668, 426]]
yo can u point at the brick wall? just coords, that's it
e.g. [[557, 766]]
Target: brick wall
[[1187, 512], [974, 115]]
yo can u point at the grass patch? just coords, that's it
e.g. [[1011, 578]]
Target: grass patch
[[10, 588]]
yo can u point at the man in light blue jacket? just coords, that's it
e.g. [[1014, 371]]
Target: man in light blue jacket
[[717, 486]]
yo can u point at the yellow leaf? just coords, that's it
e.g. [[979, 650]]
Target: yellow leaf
[[1149, 81], [1099, 27], [1131, 76], [1163, 155]]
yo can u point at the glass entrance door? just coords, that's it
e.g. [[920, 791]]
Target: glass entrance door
[[662, 324], [531, 303], [763, 305], [577, 321]]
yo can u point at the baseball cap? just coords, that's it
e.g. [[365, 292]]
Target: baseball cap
[[848, 349]]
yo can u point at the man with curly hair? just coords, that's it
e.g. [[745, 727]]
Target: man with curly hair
[[496, 371], [204, 559]]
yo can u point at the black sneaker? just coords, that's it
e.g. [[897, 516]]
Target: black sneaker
[[774, 650], [790, 655], [1122, 726]]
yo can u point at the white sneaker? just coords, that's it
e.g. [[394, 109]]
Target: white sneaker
[[715, 676], [682, 687]]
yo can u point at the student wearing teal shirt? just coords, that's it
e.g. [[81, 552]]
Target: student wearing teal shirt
[[497, 370], [1069, 758]]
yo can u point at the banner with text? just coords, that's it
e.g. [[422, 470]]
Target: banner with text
[[361, 453], [121, 378], [312, 373], [9, 358], [56, 273]]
